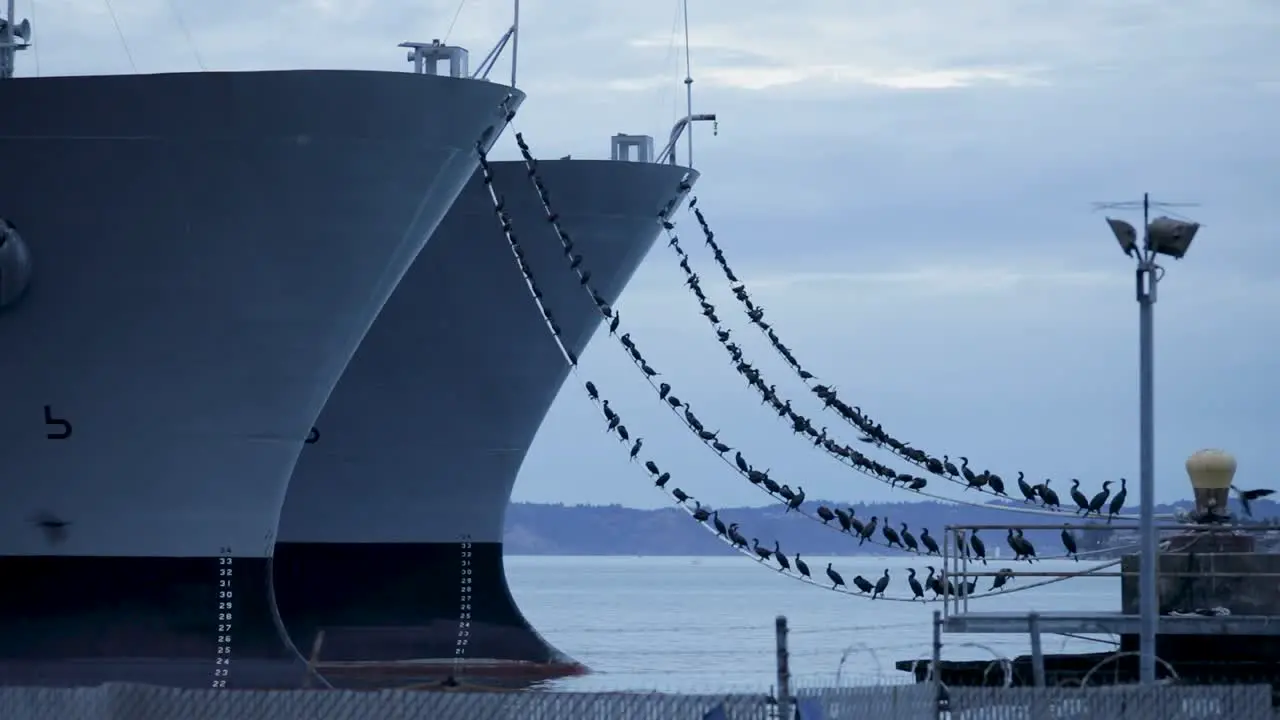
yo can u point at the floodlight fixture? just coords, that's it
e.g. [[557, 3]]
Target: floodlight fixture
[[1126, 235], [1166, 236]]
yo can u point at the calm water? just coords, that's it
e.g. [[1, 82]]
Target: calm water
[[707, 624]]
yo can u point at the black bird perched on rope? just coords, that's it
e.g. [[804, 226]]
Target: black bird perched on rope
[[890, 535], [796, 500], [635, 449], [782, 559], [1081, 501], [662, 480], [881, 585], [1003, 575], [1095, 505], [1048, 495], [836, 580], [979, 547], [863, 584], [825, 513], [762, 553], [802, 567], [1117, 502], [1069, 542], [679, 495], [908, 539], [929, 543], [868, 531], [1248, 496], [916, 588], [1028, 492]]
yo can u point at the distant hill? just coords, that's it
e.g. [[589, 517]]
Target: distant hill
[[554, 529]]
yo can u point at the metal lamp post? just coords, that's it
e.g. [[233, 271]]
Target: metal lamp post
[[1161, 236]]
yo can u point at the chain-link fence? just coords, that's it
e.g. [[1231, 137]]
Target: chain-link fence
[[893, 702], [141, 702], [882, 702], [1126, 702]]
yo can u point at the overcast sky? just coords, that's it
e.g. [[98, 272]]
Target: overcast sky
[[905, 186]]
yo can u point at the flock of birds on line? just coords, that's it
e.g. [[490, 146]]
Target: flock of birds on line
[[967, 543]]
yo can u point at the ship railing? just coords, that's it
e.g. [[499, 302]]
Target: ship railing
[[1232, 551]]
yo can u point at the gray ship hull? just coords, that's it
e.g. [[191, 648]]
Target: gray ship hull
[[391, 537], [207, 250]]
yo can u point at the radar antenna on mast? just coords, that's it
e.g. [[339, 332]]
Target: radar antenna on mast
[[14, 36]]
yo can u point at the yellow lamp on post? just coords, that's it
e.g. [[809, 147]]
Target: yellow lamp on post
[[1211, 472]]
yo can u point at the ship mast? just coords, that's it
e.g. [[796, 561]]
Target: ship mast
[[11, 32], [685, 124]]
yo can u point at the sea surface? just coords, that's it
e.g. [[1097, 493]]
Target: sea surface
[[707, 624]]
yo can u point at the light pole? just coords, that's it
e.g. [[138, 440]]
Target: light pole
[[1161, 236]]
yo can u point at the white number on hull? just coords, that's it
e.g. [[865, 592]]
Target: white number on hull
[[464, 603], [225, 619]]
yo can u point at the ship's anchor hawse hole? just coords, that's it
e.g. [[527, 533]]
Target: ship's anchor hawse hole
[[15, 265]]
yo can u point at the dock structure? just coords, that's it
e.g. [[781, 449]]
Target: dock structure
[[1219, 599]]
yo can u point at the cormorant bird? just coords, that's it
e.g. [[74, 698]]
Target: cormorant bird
[[1028, 492], [1003, 575], [1117, 502], [825, 513], [1069, 542], [782, 559], [699, 513], [974, 480], [890, 535], [741, 462], [662, 480], [763, 553], [862, 584], [1081, 501], [979, 547], [635, 447], [652, 467], [796, 500], [1100, 499], [909, 540], [929, 543], [1028, 549], [844, 519], [836, 580], [916, 588], [679, 495], [1048, 495], [995, 482], [591, 391], [1247, 496], [881, 585], [868, 531], [720, 528], [949, 466], [802, 567], [1015, 544]]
